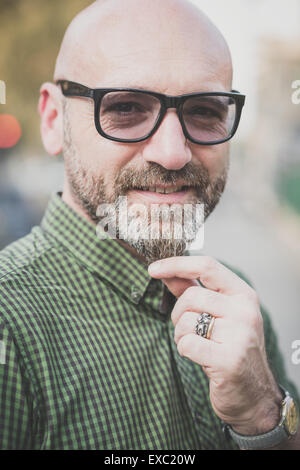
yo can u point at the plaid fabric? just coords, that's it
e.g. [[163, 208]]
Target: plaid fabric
[[87, 356]]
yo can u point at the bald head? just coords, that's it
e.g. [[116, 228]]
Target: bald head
[[113, 35]]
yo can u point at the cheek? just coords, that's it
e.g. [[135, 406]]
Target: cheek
[[215, 158], [99, 154], [83, 133]]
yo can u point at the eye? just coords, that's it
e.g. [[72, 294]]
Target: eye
[[204, 111], [125, 108]]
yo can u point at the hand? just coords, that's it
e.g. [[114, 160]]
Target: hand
[[243, 391]]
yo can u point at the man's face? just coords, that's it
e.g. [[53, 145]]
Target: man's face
[[99, 170]]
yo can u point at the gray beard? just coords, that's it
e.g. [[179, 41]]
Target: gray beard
[[90, 191]]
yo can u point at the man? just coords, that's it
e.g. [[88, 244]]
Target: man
[[103, 351]]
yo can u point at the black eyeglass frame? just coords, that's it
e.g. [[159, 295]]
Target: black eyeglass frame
[[73, 89]]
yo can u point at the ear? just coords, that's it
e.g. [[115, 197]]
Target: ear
[[51, 112]]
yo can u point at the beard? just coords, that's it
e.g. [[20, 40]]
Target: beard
[[90, 191]]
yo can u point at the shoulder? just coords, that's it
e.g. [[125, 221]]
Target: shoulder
[[23, 253], [24, 272]]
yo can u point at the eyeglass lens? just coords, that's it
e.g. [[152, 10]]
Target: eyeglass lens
[[133, 115]]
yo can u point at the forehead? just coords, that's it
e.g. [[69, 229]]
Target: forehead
[[172, 58], [171, 72], [170, 75]]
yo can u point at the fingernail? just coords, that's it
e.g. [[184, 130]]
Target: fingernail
[[154, 268]]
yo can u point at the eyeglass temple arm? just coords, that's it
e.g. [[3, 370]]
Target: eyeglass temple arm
[[74, 89]]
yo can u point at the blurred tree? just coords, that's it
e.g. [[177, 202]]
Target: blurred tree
[[30, 35]]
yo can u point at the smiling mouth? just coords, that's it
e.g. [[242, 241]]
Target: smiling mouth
[[163, 190]]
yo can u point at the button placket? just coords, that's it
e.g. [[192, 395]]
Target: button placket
[[135, 294]]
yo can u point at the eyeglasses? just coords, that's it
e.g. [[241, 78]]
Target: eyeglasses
[[133, 115]]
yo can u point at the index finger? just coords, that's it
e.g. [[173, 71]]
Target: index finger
[[210, 272]]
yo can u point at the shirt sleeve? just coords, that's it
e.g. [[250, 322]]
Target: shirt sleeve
[[275, 358], [15, 402]]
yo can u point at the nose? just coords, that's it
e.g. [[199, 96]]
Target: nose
[[168, 146]]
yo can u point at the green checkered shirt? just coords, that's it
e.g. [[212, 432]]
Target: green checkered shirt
[[87, 355]]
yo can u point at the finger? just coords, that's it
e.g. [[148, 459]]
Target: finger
[[211, 273], [185, 325], [200, 350], [222, 329], [199, 300]]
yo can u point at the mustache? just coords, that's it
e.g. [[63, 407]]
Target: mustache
[[154, 174]]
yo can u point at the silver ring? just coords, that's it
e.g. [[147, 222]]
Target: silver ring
[[203, 323]]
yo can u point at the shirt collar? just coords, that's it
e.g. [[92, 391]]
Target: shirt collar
[[107, 258]]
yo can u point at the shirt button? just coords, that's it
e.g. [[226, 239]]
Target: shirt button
[[135, 294]]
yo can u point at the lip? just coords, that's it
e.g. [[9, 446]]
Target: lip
[[152, 197]]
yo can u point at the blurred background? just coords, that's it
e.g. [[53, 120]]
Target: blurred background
[[256, 227]]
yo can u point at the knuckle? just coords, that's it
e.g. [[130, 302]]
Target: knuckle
[[249, 297], [250, 308], [260, 322], [249, 340], [253, 318]]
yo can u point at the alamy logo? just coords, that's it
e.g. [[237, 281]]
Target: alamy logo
[[2, 352], [160, 221], [296, 93], [296, 353], [2, 92]]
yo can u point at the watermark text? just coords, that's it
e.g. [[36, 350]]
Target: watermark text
[[2, 92], [296, 353], [296, 94], [2, 352]]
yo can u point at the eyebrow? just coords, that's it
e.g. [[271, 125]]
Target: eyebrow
[[222, 101], [150, 89], [113, 94]]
